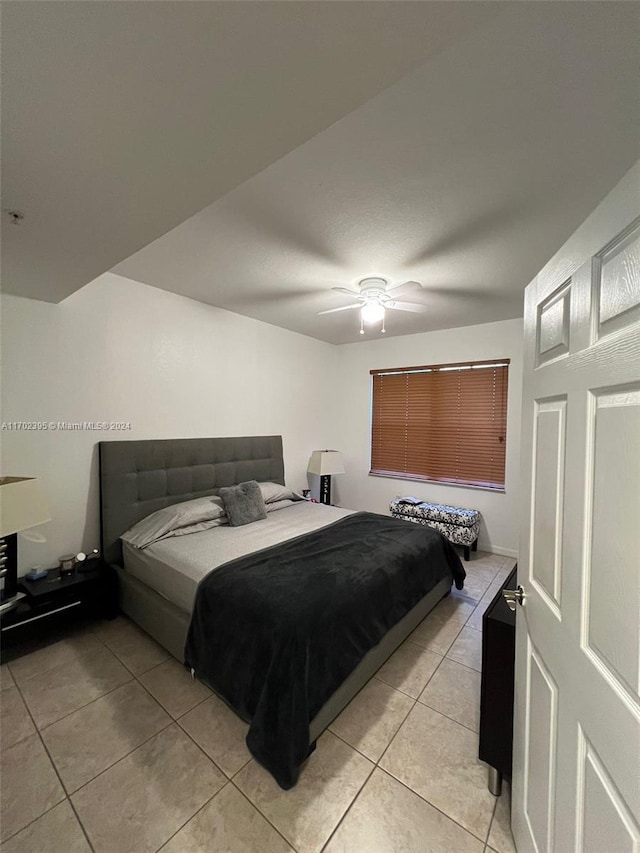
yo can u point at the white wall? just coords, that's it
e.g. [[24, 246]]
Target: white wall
[[119, 350], [356, 488]]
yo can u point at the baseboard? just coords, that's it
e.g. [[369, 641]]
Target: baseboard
[[498, 549]]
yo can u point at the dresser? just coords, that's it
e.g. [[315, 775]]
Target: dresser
[[497, 685]]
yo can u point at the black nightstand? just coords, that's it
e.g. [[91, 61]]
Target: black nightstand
[[57, 600]]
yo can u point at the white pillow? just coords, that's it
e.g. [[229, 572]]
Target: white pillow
[[272, 492], [177, 520]]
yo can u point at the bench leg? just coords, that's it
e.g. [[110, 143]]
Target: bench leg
[[474, 547], [467, 555]]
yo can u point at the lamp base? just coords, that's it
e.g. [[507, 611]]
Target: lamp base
[[325, 489], [9, 566]]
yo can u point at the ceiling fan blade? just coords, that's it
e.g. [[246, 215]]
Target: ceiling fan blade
[[344, 308], [346, 290], [392, 291], [414, 307]]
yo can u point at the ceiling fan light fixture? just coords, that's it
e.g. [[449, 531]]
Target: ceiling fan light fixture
[[372, 312]]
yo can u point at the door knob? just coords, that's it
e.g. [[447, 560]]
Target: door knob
[[514, 597]]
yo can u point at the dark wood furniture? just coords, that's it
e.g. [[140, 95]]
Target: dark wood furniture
[[496, 693], [57, 600]]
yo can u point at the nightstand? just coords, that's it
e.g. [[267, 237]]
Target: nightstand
[[57, 600]]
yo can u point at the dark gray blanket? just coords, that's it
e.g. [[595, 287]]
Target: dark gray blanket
[[277, 632]]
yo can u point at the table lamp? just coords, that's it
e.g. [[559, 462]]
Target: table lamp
[[22, 505], [324, 463]]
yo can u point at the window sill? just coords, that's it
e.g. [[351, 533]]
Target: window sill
[[493, 490]]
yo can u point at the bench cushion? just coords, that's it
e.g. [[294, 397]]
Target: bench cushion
[[457, 524]]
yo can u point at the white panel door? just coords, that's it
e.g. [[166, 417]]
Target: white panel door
[[576, 782]]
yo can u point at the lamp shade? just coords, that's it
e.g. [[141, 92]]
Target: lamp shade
[[22, 504], [325, 462]]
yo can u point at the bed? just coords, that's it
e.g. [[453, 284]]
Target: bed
[[194, 608]]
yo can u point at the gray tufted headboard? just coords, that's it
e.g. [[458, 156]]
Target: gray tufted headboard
[[140, 477]]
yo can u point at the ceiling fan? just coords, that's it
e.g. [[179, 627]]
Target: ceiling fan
[[374, 298]]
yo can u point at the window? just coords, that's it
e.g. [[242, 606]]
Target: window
[[443, 422]]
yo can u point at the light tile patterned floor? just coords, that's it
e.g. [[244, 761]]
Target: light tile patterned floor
[[108, 745]]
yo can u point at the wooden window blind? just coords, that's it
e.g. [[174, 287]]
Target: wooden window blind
[[445, 422]]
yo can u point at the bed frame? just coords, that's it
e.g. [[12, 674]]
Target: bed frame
[[140, 477]]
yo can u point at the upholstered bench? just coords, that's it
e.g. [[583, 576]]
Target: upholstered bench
[[458, 525]]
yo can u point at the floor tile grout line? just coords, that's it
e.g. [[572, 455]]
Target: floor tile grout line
[[155, 666], [465, 665], [133, 678], [354, 748], [206, 755], [182, 729], [493, 815], [396, 734], [44, 746], [85, 831], [388, 746], [190, 736], [40, 646], [86, 705], [238, 772], [169, 724], [396, 731], [31, 822], [166, 710], [197, 705], [437, 808], [453, 719], [55, 770], [195, 814], [122, 757], [415, 702], [259, 809], [400, 690], [68, 714], [73, 635], [117, 656], [273, 826], [432, 650], [128, 668], [349, 807], [290, 843]]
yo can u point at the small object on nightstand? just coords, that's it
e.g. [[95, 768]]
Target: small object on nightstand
[[86, 562], [36, 574], [67, 563]]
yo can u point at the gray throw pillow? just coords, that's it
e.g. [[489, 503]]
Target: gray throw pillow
[[243, 503]]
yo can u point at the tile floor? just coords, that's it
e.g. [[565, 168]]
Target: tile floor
[[108, 745]]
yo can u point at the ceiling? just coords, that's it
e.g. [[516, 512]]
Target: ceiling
[[458, 144]]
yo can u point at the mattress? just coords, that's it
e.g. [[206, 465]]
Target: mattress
[[175, 567]]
